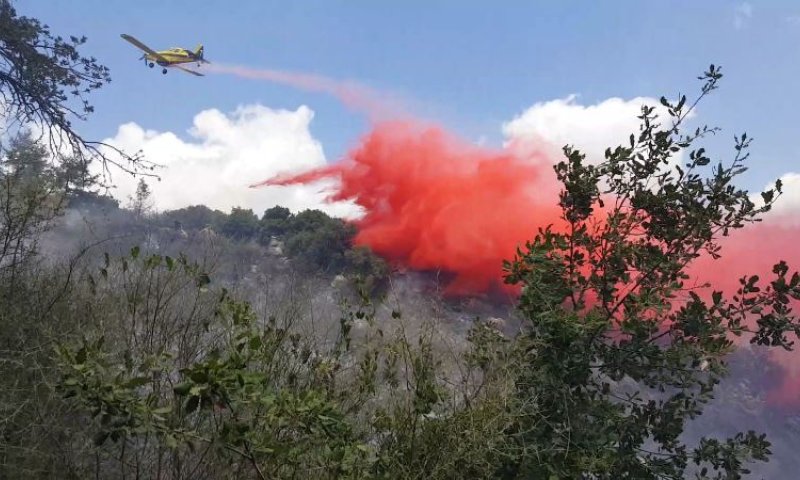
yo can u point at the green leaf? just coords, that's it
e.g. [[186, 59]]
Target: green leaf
[[135, 252], [182, 389], [716, 297]]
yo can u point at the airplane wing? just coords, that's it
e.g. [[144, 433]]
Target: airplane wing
[[143, 47], [187, 70]]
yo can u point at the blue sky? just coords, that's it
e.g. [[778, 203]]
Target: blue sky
[[470, 65]]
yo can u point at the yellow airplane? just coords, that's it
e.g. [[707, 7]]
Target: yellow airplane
[[172, 58]]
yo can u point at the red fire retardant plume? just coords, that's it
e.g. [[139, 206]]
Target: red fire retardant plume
[[434, 202], [753, 251]]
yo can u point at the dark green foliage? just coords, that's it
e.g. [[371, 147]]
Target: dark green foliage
[[241, 224], [82, 189], [319, 240], [82, 200], [277, 213], [196, 217], [24, 158], [43, 72], [314, 240], [323, 243], [614, 360], [274, 223], [76, 178]]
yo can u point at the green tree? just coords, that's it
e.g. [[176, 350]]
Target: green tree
[[309, 221], [319, 241], [26, 158], [83, 188], [140, 203], [274, 223], [195, 217], [30, 198], [45, 82], [241, 224], [620, 351]]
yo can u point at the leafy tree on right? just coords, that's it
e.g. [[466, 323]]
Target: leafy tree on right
[[620, 350]]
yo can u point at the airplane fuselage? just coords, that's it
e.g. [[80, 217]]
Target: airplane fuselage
[[171, 57]]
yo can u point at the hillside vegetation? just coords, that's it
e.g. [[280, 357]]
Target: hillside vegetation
[[198, 344]]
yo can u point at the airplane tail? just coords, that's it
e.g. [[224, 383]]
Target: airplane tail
[[198, 53]]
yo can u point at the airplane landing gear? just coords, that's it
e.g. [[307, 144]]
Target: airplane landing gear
[[164, 71], [152, 65]]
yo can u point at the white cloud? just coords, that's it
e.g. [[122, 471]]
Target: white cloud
[[787, 207], [548, 126], [223, 155], [742, 15]]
